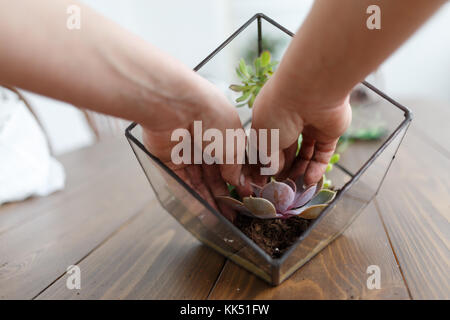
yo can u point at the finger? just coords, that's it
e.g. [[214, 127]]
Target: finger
[[231, 173], [323, 150], [244, 188], [304, 157], [194, 177], [224, 117], [289, 157], [218, 187], [288, 126]]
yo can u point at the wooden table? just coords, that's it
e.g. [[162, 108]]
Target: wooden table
[[108, 222]]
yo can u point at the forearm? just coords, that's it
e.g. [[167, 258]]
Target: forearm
[[100, 66], [334, 50]]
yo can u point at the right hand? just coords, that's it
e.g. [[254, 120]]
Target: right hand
[[282, 105]]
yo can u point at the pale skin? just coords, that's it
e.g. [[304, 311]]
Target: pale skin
[[107, 69]]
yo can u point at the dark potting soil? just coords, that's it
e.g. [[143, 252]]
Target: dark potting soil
[[274, 236]]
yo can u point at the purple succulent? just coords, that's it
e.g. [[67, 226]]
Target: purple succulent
[[283, 200]]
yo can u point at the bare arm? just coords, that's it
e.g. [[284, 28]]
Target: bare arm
[[104, 68], [331, 52], [335, 48], [101, 66]]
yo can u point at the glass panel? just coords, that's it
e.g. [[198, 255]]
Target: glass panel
[[198, 218], [371, 126], [347, 207], [220, 70]]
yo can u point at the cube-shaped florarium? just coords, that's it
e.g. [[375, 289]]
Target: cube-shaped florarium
[[366, 152]]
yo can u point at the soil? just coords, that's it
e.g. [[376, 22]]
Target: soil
[[274, 236]]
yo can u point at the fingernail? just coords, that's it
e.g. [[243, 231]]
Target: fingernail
[[242, 180]]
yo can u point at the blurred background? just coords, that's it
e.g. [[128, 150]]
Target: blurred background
[[189, 30]]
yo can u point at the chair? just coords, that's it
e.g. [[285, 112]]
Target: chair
[[21, 98], [104, 126]]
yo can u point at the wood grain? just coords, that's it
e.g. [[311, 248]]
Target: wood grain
[[53, 236], [415, 207], [108, 222], [152, 257], [337, 272]]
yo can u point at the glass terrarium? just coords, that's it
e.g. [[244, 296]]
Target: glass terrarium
[[357, 177]]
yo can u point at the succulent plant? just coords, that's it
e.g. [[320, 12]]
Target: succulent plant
[[282, 200], [253, 78]]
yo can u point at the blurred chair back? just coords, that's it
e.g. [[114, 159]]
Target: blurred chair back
[[20, 97], [104, 126]]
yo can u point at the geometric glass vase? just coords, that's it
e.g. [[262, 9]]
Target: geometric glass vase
[[357, 177]]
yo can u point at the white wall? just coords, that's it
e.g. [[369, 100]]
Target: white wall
[[421, 67], [188, 30], [191, 29]]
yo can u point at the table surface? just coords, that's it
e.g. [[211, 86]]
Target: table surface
[[108, 222]]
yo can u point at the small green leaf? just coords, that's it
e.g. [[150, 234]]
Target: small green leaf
[[329, 168], [326, 183], [257, 64], [243, 68], [265, 58], [237, 88], [253, 78], [233, 192], [335, 158], [244, 96], [251, 101], [239, 73], [250, 71], [299, 144]]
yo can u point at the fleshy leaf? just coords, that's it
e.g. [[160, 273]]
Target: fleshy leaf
[[303, 197], [245, 96], [323, 197], [306, 212], [243, 68], [260, 207], [237, 88], [265, 58], [291, 183], [278, 193], [234, 204], [335, 158], [312, 212]]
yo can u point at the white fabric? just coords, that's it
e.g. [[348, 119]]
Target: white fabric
[[26, 167]]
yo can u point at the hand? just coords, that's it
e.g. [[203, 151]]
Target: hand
[[195, 99], [282, 105]]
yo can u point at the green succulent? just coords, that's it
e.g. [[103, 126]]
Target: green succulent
[[253, 78]]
